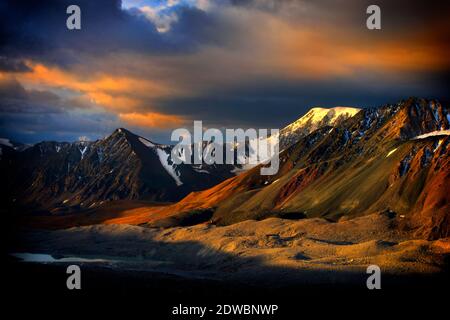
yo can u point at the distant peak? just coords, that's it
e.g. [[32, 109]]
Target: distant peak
[[339, 109], [315, 118], [6, 142], [319, 113], [346, 109], [123, 132], [128, 135]]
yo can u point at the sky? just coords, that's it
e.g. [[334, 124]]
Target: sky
[[154, 66]]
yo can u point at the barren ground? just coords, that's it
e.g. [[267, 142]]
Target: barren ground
[[273, 251]]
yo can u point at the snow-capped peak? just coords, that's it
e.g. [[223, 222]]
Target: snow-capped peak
[[312, 120], [317, 115]]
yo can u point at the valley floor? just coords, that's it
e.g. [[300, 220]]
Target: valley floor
[[272, 253], [308, 266]]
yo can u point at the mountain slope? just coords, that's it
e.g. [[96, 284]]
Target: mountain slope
[[372, 162], [67, 176]]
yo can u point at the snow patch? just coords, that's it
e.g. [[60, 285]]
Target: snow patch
[[438, 145], [433, 134], [146, 143], [163, 158], [200, 170], [391, 152]]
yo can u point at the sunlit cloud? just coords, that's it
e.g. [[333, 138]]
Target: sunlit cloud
[[112, 92], [152, 120]]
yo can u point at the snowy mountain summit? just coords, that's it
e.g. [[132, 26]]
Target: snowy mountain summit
[[313, 120]]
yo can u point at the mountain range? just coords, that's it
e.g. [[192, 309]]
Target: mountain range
[[63, 176], [337, 164]]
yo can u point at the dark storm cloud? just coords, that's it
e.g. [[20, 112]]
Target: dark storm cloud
[[13, 65], [398, 17], [60, 127], [37, 30], [259, 63], [31, 115], [14, 98], [195, 27], [28, 115], [285, 101], [343, 10]]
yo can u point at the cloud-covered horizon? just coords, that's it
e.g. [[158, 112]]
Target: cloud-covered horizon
[[153, 66]]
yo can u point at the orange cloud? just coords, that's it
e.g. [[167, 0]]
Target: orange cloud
[[122, 95], [109, 91], [315, 51], [152, 120]]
